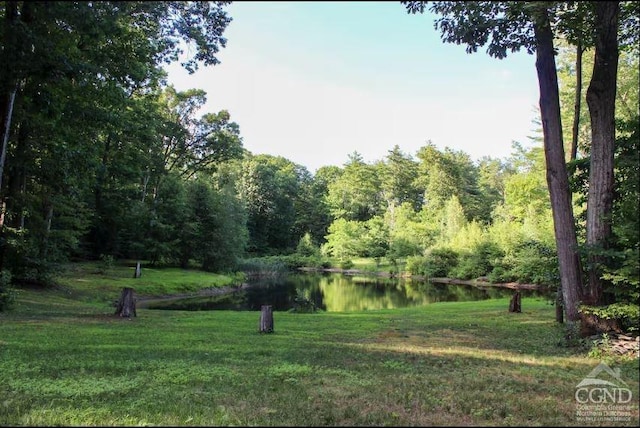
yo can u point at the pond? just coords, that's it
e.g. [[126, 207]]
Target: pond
[[334, 292]]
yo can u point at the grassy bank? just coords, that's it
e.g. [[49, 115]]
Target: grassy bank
[[65, 360], [100, 282]]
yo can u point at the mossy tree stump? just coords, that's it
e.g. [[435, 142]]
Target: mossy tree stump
[[266, 319], [126, 305]]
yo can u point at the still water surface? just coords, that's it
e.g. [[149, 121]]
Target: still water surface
[[333, 292]]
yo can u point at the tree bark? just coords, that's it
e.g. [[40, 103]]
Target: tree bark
[[266, 319], [557, 176], [7, 114], [577, 103], [138, 272], [514, 304], [601, 98], [126, 305]]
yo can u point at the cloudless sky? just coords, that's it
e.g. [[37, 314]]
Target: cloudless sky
[[316, 81]]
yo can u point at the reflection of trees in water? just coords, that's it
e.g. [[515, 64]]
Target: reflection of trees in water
[[341, 293]]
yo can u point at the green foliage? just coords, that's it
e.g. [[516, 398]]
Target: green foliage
[[89, 127], [8, 293], [270, 187], [268, 265], [408, 234], [305, 246], [375, 241], [399, 173], [628, 314], [344, 239], [531, 262], [354, 195], [346, 264], [479, 262], [282, 263], [107, 263], [437, 262]]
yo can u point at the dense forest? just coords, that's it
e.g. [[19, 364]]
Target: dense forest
[[102, 158]]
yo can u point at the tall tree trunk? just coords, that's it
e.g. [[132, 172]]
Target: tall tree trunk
[[573, 154], [577, 104], [557, 176], [44, 242], [8, 90], [7, 114], [601, 97]]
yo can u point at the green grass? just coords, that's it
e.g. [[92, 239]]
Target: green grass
[[99, 282], [65, 361], [368, 264]]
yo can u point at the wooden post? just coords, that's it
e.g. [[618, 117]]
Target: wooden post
[[138, 271], [127, 303], [266, 319], [514, 304]]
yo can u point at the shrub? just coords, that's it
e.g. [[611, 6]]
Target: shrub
[[536, 263], [479, 262], [306, 247], [7, 292], [415, 265], [346, 264], [627, 314], [438, 262]]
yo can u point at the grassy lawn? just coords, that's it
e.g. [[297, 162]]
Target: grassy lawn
[[369, 264], [96, 281], [66, 360]]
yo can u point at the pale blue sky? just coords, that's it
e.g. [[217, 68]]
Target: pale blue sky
[[316, 81]]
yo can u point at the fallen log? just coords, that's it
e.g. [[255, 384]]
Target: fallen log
[[481, 283]]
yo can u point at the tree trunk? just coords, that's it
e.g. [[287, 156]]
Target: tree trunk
[[44, 241], [601, 98], [7, 114], [266, 319], [126, 305], [138, 272], [559, 306], [557, 176], [577, 104], [514, 304]]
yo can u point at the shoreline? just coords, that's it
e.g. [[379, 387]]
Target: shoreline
[[480, 282]]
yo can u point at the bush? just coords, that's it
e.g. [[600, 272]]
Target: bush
[[306, 248], [479, 262], [437, 263], [347, 264], [627, 314], [7, 292], [284, 263], [106, 263], [415, 265], [440, 262], [536, 263]]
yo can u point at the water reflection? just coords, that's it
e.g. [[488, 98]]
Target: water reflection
[[338, 293]]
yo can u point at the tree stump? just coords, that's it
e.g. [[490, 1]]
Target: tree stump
[[138, 272], [514, 304], [266, 319], [126, 304]]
